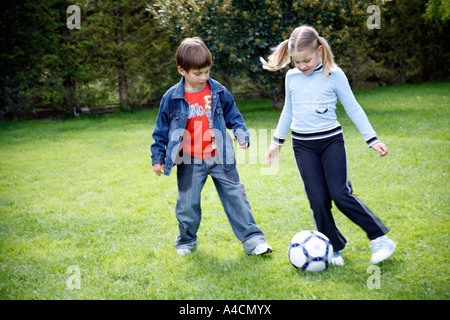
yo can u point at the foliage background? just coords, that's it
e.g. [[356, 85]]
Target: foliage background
[[123, 53], [239, 32]]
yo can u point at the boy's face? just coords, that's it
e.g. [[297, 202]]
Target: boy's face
[[195, 78]]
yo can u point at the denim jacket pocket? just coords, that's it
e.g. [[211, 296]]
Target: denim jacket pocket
[[174, 115], [219, 109]]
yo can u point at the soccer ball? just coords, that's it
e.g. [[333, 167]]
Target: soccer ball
[[310, 250]]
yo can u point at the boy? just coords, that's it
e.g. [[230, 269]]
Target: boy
[[190, 132]]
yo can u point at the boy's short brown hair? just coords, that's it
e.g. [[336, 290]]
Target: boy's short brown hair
[[193, 54]]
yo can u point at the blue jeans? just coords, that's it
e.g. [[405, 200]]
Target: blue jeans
[[191, 178]]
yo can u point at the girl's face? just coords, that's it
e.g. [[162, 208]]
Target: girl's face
[[306, 60]]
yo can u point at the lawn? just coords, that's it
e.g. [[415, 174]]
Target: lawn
[[83, 216]]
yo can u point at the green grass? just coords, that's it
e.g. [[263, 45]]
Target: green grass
[[82, 193]]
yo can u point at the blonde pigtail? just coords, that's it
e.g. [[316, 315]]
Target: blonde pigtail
[[327, 57], [279, 57]]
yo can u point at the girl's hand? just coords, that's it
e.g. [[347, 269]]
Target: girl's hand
[[273, 153], [380, 148], [158, 168]]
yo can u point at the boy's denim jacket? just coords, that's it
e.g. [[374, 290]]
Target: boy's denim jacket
[[171, 123]]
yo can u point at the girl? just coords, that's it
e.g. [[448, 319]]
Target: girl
[[312, 90]]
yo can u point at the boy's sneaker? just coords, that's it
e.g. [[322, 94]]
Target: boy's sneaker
[[382, 248], [261, 248], [183, 252], [337, 259]]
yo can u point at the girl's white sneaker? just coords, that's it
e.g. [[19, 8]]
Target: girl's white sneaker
[[337, 259], [382, 248], [183, 252]]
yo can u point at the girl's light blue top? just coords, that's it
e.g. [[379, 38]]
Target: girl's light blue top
[[310, 106]]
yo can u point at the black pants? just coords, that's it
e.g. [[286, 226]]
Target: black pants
[[323, 168]]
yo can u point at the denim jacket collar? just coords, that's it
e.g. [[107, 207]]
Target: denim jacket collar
[[179, 90]]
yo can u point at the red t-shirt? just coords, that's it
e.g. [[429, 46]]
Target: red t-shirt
[[198, 139]]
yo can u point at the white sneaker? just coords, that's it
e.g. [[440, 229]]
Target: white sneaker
[[337, 259], [382, 248], [261, 248], [183, 252]]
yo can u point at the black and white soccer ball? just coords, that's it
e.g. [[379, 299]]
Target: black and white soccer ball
[[310, 250]]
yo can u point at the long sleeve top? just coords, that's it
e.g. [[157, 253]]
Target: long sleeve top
[[310, 107]]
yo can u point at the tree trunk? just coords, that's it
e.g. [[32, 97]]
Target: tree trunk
[[69, 100], [277, 98], [122, 77], [123, 87]]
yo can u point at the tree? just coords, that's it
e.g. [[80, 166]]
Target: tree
[[126, 49], [33, 74], [409, 47], [107, 38], [45, 65], [438, 11]]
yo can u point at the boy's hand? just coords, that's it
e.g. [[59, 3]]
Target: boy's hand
[[244, 146], [380, 148], [158, 168]]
